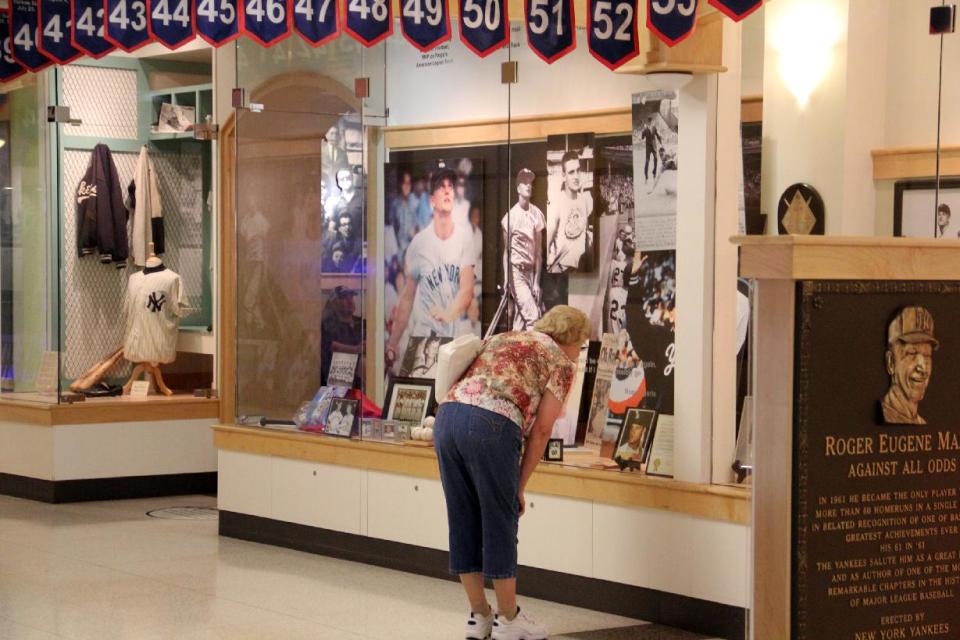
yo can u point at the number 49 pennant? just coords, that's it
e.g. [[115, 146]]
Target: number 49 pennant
[[425, 23], [612, 31]]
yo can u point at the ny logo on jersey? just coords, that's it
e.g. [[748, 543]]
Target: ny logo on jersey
[[86, 191], [156, 301]]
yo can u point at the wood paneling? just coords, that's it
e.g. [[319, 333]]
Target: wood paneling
[[915, 162], [751, 109], [100, 411], [726, 504], [848, 258]]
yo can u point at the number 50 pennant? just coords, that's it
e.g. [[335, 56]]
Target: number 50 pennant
[[483, 25], [612, 31]]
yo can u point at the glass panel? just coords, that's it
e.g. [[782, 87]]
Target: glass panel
[[301, 193], [28, 352]]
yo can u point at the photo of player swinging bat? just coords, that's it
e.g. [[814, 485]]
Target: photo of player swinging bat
[[95, 374]]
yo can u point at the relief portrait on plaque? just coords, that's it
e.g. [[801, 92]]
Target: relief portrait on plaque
[[909, 361]]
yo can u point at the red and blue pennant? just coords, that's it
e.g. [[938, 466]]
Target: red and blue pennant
[[25, 35], [87, 28], [266, 21], [54, 40], [612, 34], [551, 28], [171, 22], [673, 21], [736, 10], [218, 21], [316, 21], [425, 23], [9, 68], [126, 24], [484, 27], [368, 21]]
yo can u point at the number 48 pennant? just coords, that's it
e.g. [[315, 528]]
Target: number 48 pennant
[[368, 21], [612, 31]]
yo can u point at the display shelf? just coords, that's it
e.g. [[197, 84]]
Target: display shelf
[[39, 410], [915, 162], [200, 97], [727, 504]]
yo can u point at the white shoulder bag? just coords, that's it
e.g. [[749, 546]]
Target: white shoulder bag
[[453, 359]]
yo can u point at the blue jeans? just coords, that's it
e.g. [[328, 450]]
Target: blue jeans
[[479, 455]]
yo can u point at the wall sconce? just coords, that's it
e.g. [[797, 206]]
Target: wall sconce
[[804, 39], [669, 80]]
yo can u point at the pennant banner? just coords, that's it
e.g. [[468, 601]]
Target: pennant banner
[[737, 10], [9, 68], [86, 17], [126, 24], [54, 19], [25, 33], [672, 20], [316, 21], [550, 28], [425, 23], [612, 31], [171, 22], [483, 25], [368, 21], [216, 20], [266, 21]]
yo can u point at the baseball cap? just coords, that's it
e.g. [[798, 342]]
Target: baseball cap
[[912, 325], [440, 176], [343, 292], [525, 176]]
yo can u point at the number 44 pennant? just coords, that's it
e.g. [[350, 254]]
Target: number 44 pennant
[[171, 22], [425, 23]]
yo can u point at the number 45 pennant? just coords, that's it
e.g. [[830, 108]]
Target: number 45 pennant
[[425, 23], [216, 20], [612, 31]]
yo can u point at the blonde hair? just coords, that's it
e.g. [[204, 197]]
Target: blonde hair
[[565, 324]]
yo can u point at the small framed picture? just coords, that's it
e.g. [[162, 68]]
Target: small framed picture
[[918, 214], [342, 417], [554, 450], [634, 440], [409, 399]]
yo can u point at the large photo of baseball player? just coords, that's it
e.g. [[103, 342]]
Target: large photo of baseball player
[[432, 253], [570, 221]]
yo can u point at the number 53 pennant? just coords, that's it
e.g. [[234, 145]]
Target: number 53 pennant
[[672, 20]]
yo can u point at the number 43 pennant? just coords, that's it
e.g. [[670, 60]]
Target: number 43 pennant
[[425, 23]]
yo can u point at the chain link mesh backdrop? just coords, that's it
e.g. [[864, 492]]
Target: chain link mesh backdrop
[[106, 100]]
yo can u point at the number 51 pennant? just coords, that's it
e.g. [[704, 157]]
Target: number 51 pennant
[[551, 31]]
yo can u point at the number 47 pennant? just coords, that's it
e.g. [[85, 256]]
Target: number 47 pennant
[[316, 21]]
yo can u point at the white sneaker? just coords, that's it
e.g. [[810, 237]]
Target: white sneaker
[[478, 626], [520, 628]]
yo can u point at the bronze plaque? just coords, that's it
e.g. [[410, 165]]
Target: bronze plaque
[[876, 461]]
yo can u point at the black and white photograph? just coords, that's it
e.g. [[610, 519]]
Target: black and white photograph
[[554, 450], [570, 216], [420, 359], [343, 369], [634, 438], [656, 123], [523, 227], [408, 399], [342, 417], [432, 252], [606, 364], [918, 214], [341, 194]]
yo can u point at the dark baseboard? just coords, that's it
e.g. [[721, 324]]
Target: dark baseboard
[[58, 491], [691, 614]]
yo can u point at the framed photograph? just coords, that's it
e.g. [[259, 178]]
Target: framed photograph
[[342, 417], [420, 359], [409, 399], [916, 213], [660, 456], [343, 369], [634, 440], [570, 220], [554, 450]]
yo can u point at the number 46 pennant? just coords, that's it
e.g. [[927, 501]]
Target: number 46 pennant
[[266, 21], [612, 31], [425, 23]]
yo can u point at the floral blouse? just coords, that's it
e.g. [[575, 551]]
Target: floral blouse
[[511, 374]]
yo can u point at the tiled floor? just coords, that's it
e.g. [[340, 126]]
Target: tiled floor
[[107, 571]]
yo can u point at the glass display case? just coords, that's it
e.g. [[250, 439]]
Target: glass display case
[[107, 235]]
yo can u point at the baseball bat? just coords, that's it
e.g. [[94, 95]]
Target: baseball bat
[[94, 374]]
